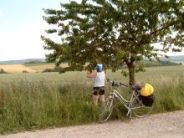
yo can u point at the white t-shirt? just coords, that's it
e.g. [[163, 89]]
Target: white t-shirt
[[100, 79]]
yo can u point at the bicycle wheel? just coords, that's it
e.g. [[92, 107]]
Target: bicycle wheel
[[106, 110], [139, 109]]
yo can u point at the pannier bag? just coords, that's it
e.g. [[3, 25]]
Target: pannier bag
[[147, 100], [146, 94]]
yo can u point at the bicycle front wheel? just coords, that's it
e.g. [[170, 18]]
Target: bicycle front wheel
[[106, 110]]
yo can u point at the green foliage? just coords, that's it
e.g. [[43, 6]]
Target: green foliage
[[120, 32]]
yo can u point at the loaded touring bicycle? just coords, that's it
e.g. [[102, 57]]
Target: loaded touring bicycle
[[137, 105]]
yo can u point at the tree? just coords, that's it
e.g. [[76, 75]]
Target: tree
[[117, 31]]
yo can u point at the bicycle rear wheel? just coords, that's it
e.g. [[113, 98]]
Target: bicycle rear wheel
[[141, 110], [106, 111]]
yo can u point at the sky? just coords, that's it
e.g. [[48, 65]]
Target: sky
[[21, 25]]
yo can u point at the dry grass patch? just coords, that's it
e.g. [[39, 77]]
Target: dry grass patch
[[42, 67], [17, 68]]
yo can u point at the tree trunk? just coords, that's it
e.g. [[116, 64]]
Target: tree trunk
[[131, 69]]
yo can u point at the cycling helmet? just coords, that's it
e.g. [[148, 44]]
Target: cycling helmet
[[99, 68]]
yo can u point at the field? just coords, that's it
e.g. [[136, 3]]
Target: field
[[41, 100], [27, 68], [17, 68]]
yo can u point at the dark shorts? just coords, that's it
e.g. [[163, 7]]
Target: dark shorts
[[98, 90]]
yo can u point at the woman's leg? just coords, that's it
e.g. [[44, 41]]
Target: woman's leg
[[102, 96], [95, 99], [102, 99]]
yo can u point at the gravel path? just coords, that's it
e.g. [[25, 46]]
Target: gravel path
[[167, 125]]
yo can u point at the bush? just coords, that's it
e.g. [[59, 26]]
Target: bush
[[49, 70], [25, 71], [56, 69], [2, 71]]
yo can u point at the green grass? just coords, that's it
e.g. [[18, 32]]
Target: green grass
[[41, 100]]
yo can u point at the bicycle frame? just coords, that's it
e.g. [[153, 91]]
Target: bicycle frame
[[127, 103], [119, 96]]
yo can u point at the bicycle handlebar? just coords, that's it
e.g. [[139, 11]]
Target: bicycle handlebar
[[116, 84]]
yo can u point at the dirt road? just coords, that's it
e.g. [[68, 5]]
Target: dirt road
[[167, 125]]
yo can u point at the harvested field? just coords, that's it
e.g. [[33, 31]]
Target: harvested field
[[42, 67], [17, 68]]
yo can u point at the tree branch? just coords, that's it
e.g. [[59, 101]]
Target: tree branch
[[171, 24]]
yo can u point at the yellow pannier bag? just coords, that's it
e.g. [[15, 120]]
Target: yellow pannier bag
[[147, 90]]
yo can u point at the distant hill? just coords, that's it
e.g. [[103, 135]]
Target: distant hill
[[176, 59], [23, 61]]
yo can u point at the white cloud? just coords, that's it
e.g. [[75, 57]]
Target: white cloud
[[158, 46]]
